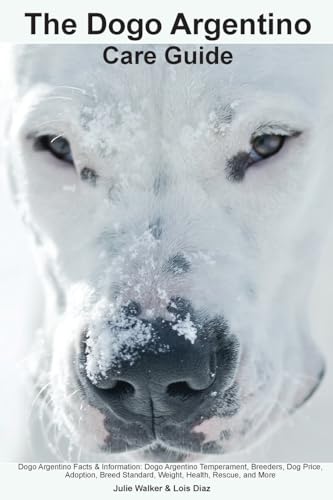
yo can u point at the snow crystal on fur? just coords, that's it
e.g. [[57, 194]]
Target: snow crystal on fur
[[186, 328], [112, 335]]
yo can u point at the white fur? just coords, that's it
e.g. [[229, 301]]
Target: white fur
[[253, 246]]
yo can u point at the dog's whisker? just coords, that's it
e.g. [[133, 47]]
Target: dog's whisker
[[46, 123], [52, 432], [76, 89], [79, 454], [56, 137], [57, 97], [40, 393], [72, 394]]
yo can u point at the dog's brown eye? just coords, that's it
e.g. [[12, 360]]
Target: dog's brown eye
[[56, 145], [267, 145]]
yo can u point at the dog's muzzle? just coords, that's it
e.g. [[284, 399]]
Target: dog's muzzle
[[164, 385]]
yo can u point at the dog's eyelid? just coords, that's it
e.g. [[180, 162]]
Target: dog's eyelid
[[275, 128]]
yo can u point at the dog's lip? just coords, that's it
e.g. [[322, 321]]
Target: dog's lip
[[146, 437], [157, 430], [162, 449], [312, 391], [160, 452]]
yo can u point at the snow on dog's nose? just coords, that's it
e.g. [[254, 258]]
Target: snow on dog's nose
[[161, 368]]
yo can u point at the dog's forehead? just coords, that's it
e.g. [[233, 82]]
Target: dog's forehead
[[83, 66]]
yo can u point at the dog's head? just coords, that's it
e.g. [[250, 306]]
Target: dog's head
[[178, 213]]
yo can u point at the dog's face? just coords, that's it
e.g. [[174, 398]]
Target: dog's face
[[179, 213]]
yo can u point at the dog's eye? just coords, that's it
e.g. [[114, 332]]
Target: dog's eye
[[56, 145], [262, 146], [266, 145]]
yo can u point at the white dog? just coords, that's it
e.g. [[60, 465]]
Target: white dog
[[178, 214]]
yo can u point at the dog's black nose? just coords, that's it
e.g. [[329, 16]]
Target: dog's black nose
[[173, 374]]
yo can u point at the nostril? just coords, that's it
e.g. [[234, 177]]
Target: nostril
[[123, 389], [181, 390], [117, 388]]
